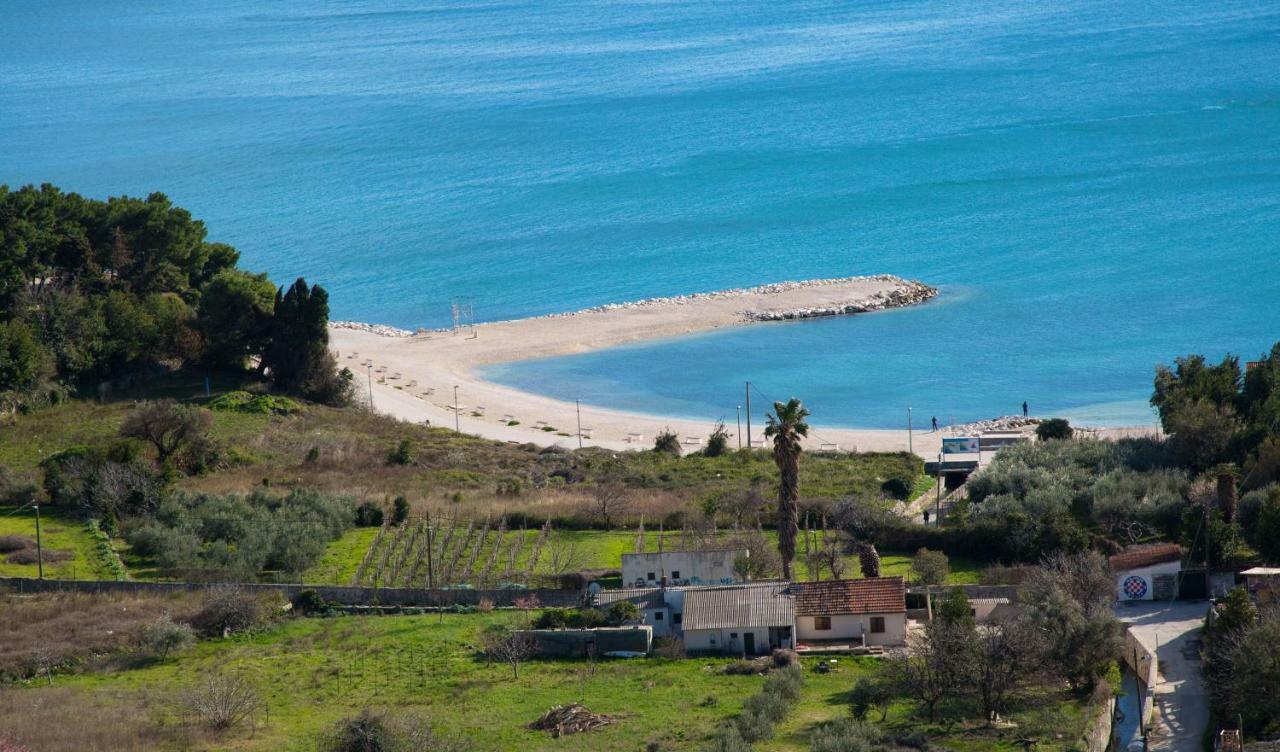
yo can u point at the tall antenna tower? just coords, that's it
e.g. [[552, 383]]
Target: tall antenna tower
[[464, 317]]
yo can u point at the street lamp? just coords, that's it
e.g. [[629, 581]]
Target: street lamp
[[910, 445], [739, 426], [457, 426]]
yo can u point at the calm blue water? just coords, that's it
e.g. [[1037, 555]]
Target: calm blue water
[[1095, 185]]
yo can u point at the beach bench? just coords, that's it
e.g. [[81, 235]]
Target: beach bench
[[635, 438], [508, 417], [479, 409], [693, 440], [585, 432], [827, 447]]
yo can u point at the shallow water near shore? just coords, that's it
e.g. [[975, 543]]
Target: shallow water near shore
[[1095, 187]]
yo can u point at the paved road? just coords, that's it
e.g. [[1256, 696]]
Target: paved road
[[1172, 630]]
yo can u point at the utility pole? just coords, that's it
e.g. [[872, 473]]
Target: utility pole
[[937, 500], [577, 406], [371, 386], [430, 552], [39, 544], [739, 426], [457, 424], [910, 446], [748, 415]]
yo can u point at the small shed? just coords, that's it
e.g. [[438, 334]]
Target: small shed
[[739, 620], [652, 603], [1145, 573], [1263, 583]]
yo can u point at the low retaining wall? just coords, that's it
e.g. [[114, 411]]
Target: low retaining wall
[[348, 596], [582, 643], [1098, 736]]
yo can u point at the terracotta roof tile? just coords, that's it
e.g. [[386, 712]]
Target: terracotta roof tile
[[870, 595], [1145, 556]]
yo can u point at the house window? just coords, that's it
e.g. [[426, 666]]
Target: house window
[[822, 623], [877, 625], [657, 616], [675, 574], [677, 618], [733, 635], [651, 575]]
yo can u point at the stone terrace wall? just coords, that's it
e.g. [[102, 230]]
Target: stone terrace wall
[[349, 596]]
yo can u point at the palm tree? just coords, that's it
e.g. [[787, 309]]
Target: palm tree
[[786, 426]]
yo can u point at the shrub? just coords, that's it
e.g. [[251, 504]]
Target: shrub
[[623, 612], [766, 705], [229, 609], [368, 514], [1054, 428], [164, 636], [308, 602], [752, 724], [373, 731], [399, 510], [845, 735], [742, 668], [552, 618], [667, 442], [220, 702], [717, 442], [784, 685], [870, 693], [255, 404], [33, 556], [728, 739], [11, 543], [783, 658], [401, 455]]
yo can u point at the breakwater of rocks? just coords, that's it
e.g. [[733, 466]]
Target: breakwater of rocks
[[908, 292], [904, 292]]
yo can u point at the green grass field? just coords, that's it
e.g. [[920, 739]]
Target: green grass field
[[312, 672], [599, 549], [61, 536]]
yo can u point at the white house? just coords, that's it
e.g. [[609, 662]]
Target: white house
[[1148, 572], [713, 567], [869, 611], [748, 619]]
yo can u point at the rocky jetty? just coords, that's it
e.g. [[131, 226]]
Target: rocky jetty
[[1003, 423], [908, 292], [904, 292], [380, 329]]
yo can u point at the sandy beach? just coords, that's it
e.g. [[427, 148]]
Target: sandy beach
[[414, 374]]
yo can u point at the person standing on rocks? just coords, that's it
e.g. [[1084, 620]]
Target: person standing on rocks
[[935, 424], [1025, 410]]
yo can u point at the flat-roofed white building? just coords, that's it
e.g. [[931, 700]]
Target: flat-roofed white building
[[710, 567]]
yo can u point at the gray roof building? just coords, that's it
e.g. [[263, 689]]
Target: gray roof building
[[764, 604]]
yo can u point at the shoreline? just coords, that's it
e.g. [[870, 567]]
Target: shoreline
[[413, 375]]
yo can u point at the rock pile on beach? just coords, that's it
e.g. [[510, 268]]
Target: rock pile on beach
[[380, 329], [1003, 423], [908, 292]]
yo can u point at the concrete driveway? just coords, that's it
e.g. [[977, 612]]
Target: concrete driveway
[[1172, 631]]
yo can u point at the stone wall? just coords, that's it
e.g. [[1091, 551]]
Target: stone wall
[[349, 596]]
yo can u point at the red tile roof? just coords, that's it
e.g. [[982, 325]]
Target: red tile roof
[[1145, 556], [870, 595]]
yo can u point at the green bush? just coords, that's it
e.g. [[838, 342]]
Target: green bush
[[164, 636], [253, 404], [667, 443], [402, 454], [1054, 428], [231, 609], [368, 514], [753, 726], [623, 612], [785, 684], [399, 510], [845, 735]]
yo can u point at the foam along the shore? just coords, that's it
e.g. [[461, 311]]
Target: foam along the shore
[[414, 374]]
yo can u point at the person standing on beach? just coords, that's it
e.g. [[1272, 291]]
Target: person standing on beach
[[1024, 408]]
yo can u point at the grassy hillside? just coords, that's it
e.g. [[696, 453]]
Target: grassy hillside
[[311, 672], [70, 549]]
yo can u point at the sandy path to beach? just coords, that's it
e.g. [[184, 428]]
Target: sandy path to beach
[[414, 377]]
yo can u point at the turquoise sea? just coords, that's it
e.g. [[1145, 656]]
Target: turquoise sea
[[1094, 185]]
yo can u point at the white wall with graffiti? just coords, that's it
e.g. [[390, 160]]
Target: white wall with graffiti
[[1158, 581]]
